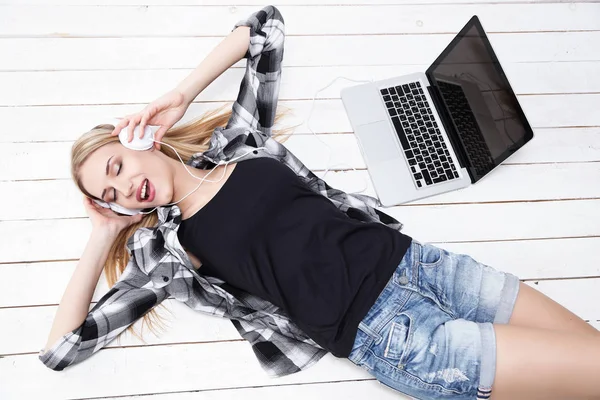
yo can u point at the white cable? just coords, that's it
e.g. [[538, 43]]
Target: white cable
[[201, 179], [326, 145]]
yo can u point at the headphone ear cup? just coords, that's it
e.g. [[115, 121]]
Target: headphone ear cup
[[122, 210], [145, 143], [117, 208]]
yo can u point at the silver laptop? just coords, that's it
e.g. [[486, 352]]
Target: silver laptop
[[428, 133]]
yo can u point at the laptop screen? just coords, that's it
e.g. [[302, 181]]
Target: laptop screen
[[486, 117]]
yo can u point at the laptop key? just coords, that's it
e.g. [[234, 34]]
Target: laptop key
[[400, 133], [426, 177], [384, 91], [409, 154], [419, 184], [392, 112], [412, 161]]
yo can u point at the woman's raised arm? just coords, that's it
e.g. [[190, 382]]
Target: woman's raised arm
[[77, 333], [170, 107], [259, 38]]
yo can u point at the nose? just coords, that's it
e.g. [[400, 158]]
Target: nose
[[125, 187]]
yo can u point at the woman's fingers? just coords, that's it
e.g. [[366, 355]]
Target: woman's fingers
[[132, 123], [158, 135], [147, 114], [122, 124]]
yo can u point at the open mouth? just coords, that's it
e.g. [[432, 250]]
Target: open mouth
[[146, 191]]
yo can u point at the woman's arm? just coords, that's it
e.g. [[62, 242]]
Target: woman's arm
[[75, 303], [229, 51], [76, 333]]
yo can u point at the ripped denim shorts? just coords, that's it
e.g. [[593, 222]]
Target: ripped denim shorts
[[429, 334]]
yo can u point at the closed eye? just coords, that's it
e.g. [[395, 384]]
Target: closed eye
[[115, 190]]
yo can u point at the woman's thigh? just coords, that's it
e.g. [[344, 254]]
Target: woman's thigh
[[546, 364]]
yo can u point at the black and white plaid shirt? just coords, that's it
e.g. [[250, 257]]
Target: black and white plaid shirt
[[159, 266]]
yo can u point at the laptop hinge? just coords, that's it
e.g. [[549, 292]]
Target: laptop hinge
[[449, 127]]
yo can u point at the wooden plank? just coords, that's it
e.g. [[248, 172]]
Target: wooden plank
[[63, 239], [233, 3], [220, 365], [137, 86], [26, 328], [328, 116], [22, 161], [69, 21], [114, 362], [528, 259], [23, 54], [348, 390], [50, 199]]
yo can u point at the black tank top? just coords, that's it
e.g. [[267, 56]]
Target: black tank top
[[267, 233]]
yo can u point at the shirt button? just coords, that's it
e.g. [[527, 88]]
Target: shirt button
[[166, 279], [403, 280], [255, 151]]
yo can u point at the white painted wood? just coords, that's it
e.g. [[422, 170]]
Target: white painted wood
[[259, 4], [134, 86], [528, 259], [70, 21], [22, 54], [66, 123], [51, 160], [62, 239], [350, 390], [156, 369], [25, 330], [537, 217], [61, 199]]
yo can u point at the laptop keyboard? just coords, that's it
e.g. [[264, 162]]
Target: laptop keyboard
[[421, 139], [466, 124]]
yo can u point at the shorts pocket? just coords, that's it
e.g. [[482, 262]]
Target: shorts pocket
[[397, 339], [430, 256]]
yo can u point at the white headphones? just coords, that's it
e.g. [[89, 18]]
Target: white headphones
[[146, 143]]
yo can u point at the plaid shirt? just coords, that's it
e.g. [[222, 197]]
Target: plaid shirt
[[159, 266]]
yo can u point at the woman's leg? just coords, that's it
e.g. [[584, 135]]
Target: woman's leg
[[536, 310], [545, 364]]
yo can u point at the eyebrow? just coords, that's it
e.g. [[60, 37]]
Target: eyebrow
[[107, 162]]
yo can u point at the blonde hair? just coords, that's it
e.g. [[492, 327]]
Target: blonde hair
[[188, 139]]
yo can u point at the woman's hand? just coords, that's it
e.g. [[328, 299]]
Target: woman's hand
[[164, 112], [107, 221]]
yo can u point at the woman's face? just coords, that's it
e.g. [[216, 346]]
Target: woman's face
[[130, 178]]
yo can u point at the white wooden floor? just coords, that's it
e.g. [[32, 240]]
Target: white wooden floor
[[67, 65]]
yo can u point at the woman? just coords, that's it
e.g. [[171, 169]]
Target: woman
[[299, 267]]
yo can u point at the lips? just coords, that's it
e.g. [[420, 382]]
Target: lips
[[150, 191]]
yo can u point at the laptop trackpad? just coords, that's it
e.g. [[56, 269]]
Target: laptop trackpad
[[377, 142]]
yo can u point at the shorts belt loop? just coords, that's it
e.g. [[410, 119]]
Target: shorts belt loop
[[374, 335]]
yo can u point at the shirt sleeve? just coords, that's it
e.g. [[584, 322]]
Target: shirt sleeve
[[120, 307], [256, 103]]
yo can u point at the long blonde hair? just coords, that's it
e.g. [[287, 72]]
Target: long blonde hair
[[188, 139]]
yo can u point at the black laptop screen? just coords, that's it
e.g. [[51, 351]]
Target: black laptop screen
[[479, 101]]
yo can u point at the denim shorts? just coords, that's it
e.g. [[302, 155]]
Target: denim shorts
[[429, 334]]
